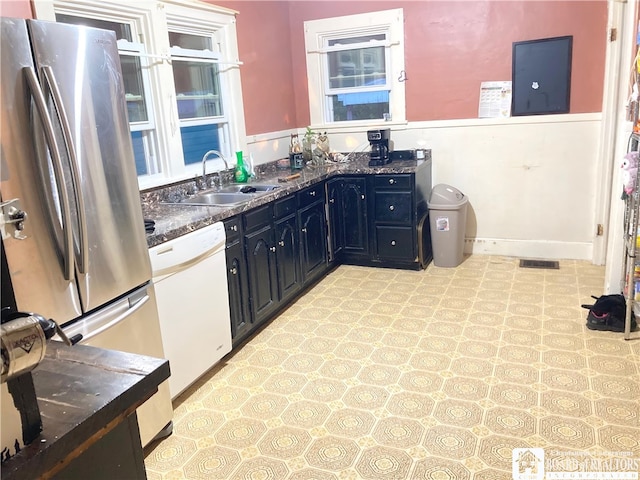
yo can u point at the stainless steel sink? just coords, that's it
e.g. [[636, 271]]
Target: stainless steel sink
[[228, 195], [218, 198]]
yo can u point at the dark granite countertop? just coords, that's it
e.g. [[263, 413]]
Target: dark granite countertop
[[174, 220], [81, 391]]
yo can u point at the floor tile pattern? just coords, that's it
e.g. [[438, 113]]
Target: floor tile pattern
[[439, 374]]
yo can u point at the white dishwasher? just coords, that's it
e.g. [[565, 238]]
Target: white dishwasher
[[190, 277]]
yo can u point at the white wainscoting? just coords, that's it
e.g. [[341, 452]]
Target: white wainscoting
[[531, 181]]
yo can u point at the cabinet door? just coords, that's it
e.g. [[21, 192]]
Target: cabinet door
[[336, 222], [261, 268], [313, 240], [238, 291], [287, 257], [354, 215]]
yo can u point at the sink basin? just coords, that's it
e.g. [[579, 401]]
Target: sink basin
[[227, 196], [237, 187], [218, 198]]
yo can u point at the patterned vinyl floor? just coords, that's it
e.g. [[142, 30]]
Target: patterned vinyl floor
[[439, 374]]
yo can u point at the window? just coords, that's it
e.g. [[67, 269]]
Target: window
[[354, 67], [198, 93], [180, 69]]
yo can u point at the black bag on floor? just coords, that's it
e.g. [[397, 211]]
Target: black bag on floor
[[608, 313]]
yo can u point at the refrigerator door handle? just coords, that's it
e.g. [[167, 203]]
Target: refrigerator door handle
[[133, 308], [65, 208], [83, 262]]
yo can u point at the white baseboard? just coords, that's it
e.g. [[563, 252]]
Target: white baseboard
[[537, 249]]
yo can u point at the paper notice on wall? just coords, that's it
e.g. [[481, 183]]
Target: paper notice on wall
[[495, 100]]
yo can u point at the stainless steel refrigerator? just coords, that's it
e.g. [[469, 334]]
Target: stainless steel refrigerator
[[79, 255]]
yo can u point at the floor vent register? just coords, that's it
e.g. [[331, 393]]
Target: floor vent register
[[552, 264]]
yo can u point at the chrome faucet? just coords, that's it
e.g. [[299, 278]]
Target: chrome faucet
[[204, 164]]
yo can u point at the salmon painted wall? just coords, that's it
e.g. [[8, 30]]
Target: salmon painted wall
[[15, 9], [450, 47], [265, 49]]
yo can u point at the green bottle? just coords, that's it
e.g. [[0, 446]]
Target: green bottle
[[240, 174]]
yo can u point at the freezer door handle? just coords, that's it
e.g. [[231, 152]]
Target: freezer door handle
[[50, 78], [133, 308], [50, 138]]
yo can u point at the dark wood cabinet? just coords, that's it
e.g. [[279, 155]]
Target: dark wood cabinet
[[348, 219], [237, 281], [276, 250], [287, 257], [394, 220], [335, 219], [399, 225], [260, 252], [355, 216], [395, 243], [313, 232], [263, 264]]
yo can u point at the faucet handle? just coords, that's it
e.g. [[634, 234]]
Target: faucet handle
[[215, 180], [200, 184]]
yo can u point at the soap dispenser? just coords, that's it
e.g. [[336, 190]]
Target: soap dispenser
[[240, 173]]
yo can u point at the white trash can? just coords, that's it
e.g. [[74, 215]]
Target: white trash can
[[448, 220]]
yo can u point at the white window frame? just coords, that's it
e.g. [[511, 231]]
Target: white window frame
[[150, 22], [318, 32], [222, 121], [138, 49]]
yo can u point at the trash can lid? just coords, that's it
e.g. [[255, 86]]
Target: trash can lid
[[443, 195]]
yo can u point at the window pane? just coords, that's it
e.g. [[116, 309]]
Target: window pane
[[192, 42], [144, 152], [133, 88], [198, 140], [122, 30], [360, 106], [357, 68], [197, 89]]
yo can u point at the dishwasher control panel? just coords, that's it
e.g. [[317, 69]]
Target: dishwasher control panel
[[187, 248]]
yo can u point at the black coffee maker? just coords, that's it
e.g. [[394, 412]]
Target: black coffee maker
[[379, 141]]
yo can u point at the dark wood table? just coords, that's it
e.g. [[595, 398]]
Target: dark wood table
[[87, 398]]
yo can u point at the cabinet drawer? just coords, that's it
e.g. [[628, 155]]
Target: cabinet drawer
[[393, 207], [258, 217], [400, 181], [311, 195], [284, 206], [232, 229], [395, 243]]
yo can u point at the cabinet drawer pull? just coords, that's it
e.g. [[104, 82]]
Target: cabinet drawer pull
[[281, 243], [393, 243], [312, 193], [233, 228], [391, 181], [273, 249], [392, 208], [234, 271], [304, 230]]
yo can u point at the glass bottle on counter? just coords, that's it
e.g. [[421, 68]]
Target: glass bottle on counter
[[240, 174]]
